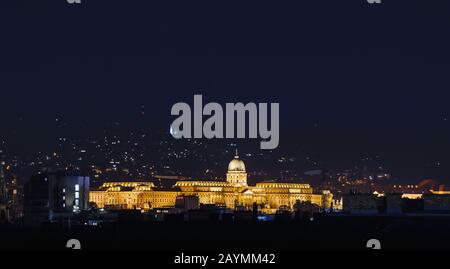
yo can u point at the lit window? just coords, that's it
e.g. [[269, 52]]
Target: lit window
[[77, 187], [77, 195]]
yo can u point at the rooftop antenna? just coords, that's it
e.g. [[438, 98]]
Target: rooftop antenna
[[237, 154]]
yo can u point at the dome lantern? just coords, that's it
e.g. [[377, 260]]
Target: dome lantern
[[236, 171]]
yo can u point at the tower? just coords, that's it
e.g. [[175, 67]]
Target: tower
[[236, 175], [3, 190], [4, 214]]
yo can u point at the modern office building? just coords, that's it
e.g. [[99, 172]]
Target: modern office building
[[53, 196]]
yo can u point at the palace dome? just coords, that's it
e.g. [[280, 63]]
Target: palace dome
[[236, 165]]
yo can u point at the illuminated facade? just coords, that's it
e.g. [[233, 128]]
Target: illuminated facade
[[232, 193]]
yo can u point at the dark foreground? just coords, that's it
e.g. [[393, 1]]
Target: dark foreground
[[325, 232]]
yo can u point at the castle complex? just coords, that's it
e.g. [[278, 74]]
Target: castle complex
[[232, 193]]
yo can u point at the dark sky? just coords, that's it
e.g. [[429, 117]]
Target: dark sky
[[349, 76]]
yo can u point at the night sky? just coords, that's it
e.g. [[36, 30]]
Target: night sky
[[352, 79]]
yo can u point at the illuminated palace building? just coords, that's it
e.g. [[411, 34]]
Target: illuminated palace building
[[232, 193]]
